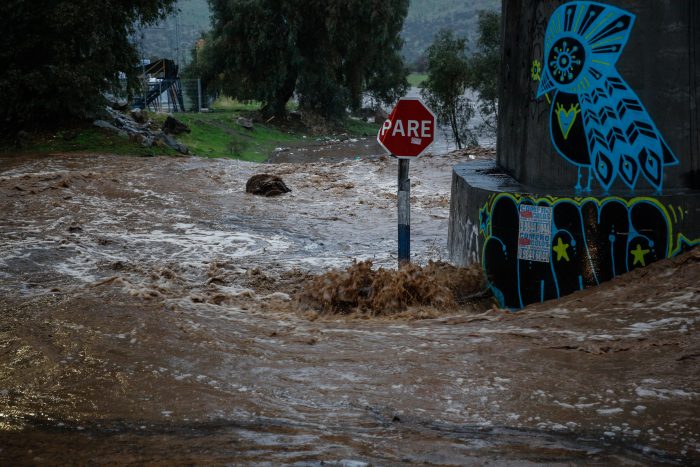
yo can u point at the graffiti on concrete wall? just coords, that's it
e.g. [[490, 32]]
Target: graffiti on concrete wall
[[597, 122], [471, 230], [591, 240]]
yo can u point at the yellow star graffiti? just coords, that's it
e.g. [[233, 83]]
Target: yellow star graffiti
[[560, 250], [639, 255]]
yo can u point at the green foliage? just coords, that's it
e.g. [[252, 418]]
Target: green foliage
[[217, 134], [444, 89], [328, 52], [424, 18], [199, 68], [451, 72], [417, 79], [486, 65], [59, 56], [361, 128], [250, 54], [84, 139], [227, 104]]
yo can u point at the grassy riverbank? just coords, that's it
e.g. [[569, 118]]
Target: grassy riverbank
[[217, 133], [86, 139]]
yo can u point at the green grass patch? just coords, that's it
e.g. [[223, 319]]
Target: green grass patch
[[217, 134], [88, 140], [361, 128], [233, 105], [213, 134], [416, 79], [227, 104]]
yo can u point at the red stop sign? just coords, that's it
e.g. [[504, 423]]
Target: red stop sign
[[409, 130]]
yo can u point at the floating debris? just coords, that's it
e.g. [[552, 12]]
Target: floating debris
[[384, 291]]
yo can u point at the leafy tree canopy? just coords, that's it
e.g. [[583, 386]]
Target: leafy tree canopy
[[59, 56], [444, 90], [486, 65], [328, 52], [451, 72]]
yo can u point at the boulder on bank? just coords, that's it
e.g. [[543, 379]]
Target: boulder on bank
[[126, 125], [172, 143], [266, 185], [139, 116], [116, 103], [245, 123], [172, 126], [108, 126]]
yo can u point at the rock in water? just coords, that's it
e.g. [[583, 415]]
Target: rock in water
[[266, 185], [172, 126]]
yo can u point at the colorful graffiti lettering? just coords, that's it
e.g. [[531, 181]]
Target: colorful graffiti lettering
[[614, 137], [592, 240]]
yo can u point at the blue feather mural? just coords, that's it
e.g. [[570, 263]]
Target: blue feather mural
[[597, 121]]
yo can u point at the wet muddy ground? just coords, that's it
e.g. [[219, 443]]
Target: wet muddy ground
[[147, 315], [327, 149]]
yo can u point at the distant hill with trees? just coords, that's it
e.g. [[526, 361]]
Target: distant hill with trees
[[425, 18]]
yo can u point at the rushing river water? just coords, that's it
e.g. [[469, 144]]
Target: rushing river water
[[148, 316]]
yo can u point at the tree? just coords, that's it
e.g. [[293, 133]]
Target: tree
[[328, 52], [60, 56], [199, 69], [485, 65], [251, 54], [444, 89]]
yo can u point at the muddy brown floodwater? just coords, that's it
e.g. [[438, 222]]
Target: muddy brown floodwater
[[147, 315]]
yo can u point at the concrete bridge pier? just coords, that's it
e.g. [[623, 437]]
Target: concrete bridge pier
[[598, 165]]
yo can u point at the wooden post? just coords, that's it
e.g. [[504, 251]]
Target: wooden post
[[404, 205]]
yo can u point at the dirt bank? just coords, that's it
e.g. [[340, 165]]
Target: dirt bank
[[147, 314]]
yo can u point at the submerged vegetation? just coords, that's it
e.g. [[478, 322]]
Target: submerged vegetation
[[381, 291]]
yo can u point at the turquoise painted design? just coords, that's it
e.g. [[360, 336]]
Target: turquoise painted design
[[597, 121]]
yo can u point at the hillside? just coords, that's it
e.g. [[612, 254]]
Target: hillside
[[426, 17], [174, 37]]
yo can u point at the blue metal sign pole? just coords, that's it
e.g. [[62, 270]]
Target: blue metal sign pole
[[404, 204]]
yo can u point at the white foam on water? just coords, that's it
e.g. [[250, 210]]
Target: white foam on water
[[665, 393], [659, 324]]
